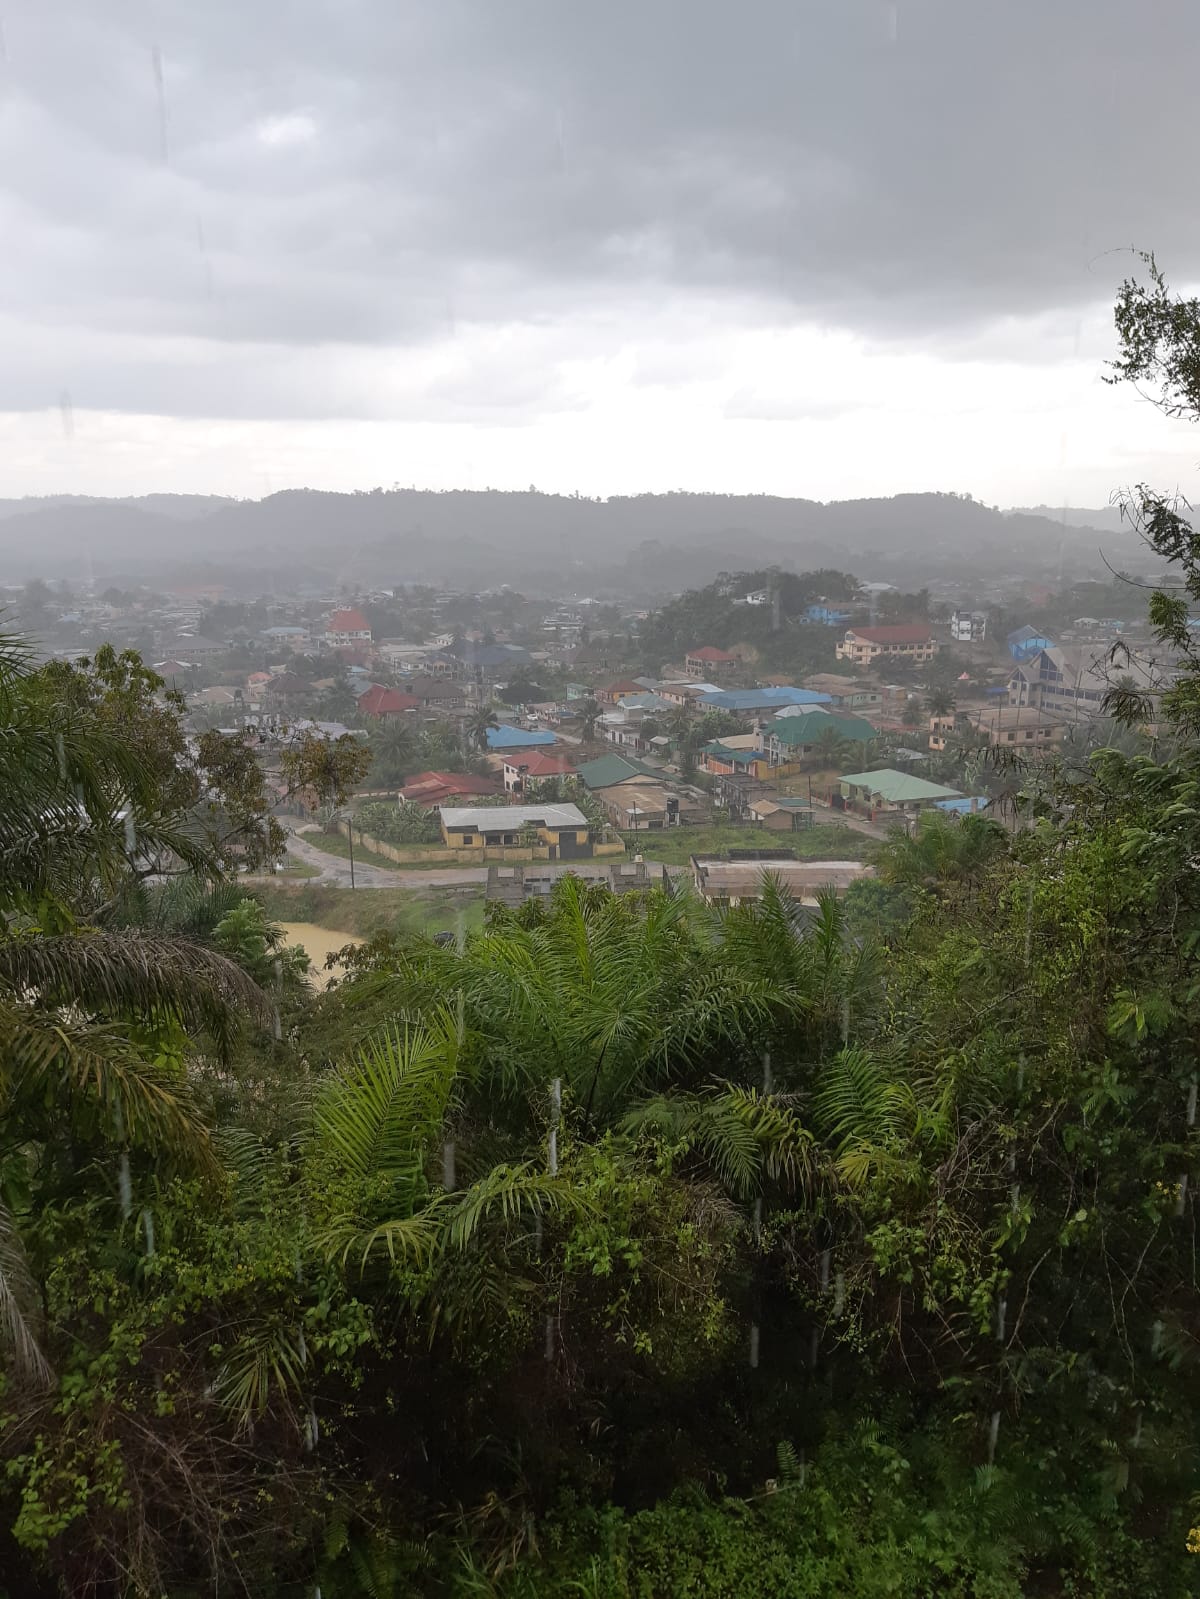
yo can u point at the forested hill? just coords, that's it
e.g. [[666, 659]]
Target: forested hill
[[530, 538]]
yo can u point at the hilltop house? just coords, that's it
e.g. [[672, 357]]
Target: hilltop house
[[564, 829], [910, 643], [707, 661], [826, 616], [347, 630]]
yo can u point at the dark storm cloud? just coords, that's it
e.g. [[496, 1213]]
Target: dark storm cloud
[[379, 171]]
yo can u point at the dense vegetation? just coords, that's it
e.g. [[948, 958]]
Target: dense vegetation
[[618, 1247]]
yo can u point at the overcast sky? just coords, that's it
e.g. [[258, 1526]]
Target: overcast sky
[[814, 247]]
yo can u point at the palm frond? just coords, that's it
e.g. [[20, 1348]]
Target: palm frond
[[266, 1364], [20, 1309], [102, 1082], [508, 1193], [142, 975], [376, 1115]]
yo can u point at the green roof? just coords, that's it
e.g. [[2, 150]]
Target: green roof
[[808, 727], [610, 769], [897, 788]]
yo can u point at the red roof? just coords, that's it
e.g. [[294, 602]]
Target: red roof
[[381, 701], [435, 788], [539, 763], [906, 634], [347, 622], [707, 652]]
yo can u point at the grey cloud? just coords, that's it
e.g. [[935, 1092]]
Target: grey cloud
[[518, 160]]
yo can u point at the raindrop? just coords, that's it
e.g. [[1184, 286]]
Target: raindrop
[[1191, 1103], [67, 412], [125, 1184], [555, 1113], [161, 96], [754, 1338], [148, 1228], [839, 1292], [993, 1437], [758, 1219], [302, 1346], [276, 1024], [1001, 1317], [449, 1173], [814, 1348], [130, 833], [61, 748], [767, 1080], [826, 1256], [549, 1336]]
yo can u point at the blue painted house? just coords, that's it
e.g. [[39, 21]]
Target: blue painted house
[[1026, 642], [827, 616]]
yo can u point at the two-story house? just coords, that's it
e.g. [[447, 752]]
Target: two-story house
[[707, 661], [908, 643], [347, 630]]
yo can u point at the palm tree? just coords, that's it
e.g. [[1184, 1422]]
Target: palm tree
[[940, 701], [832, 752], [588, 711], [394, 752], [338, 703], [679, 725], [944, 851], [93, 1020], [478, 724]]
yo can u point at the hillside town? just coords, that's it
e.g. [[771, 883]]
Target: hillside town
[[774, 720]]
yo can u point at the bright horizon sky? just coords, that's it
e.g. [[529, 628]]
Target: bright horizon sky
[[841, 249]]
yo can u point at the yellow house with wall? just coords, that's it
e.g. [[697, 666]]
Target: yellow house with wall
[[563, 829]]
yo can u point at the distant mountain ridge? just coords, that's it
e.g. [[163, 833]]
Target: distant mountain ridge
[[540, 541]]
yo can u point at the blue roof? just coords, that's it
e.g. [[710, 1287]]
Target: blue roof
[[1022, 635], [963, 804], [760, 699], [645, 702], [516, 738]]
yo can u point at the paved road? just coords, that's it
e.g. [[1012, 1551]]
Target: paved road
[[334, 869]]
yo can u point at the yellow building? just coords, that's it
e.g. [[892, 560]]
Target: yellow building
[[910, 642], [564, 829]]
